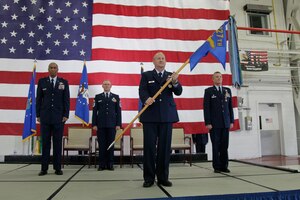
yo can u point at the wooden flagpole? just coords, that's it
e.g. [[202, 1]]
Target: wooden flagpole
[[146, 106]]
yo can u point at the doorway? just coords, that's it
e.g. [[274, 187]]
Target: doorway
[[269, 125]]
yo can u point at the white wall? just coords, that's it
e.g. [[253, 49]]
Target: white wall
[[288, 129], [293, 18], [273, 86]]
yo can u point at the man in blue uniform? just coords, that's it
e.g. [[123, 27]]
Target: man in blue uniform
[[200, 140], [157, 121], [106, 120], [52, 111], [218, 116]]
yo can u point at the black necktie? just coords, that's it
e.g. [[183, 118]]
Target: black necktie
[[220, 89], [52, 83], [159, 76], [106, 95]]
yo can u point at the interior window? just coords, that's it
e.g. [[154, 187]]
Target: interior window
[[258, 20]]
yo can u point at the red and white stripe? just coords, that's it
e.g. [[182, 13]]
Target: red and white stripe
[[126, 33]]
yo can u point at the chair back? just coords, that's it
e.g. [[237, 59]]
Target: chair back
[[179, 142], [137, 136], [177, 136], [79, 136]]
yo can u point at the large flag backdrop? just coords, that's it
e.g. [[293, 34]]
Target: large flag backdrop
[[114, 37]]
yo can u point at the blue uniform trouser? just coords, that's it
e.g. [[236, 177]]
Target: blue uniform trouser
[[156, 159], [105, 137], [56, 131], [220, 141]]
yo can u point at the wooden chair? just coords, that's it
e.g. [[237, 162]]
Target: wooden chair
[[181, 142], [136, 141], [78, 139], [118, 146]]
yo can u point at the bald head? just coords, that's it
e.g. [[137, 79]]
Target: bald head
[[159, 61], [106, 85], [53, 69]]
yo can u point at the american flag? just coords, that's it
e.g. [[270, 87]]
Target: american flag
[[258, 57], [114, 37]]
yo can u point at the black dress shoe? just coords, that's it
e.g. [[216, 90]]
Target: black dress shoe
[[225, 170], [111, 168], [165, 183], [42, 173], [217, 171], [147, 184], [59, 172], [101, 168]]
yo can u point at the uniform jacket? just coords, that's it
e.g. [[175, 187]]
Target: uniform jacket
[[106, 111], [52, 104], [164, 107], [218, 107]]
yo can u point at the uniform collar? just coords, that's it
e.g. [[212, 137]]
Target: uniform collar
[[162, 72], [218, 86], [104, 93], [54, 79]]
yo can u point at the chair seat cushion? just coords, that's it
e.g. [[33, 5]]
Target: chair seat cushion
[[138, 146], [180, 146], [76, 146]]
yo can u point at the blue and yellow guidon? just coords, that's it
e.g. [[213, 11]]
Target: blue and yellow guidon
[[215, 44], [216, 39]]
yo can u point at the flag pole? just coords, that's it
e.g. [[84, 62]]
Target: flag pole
[[146, 106]]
